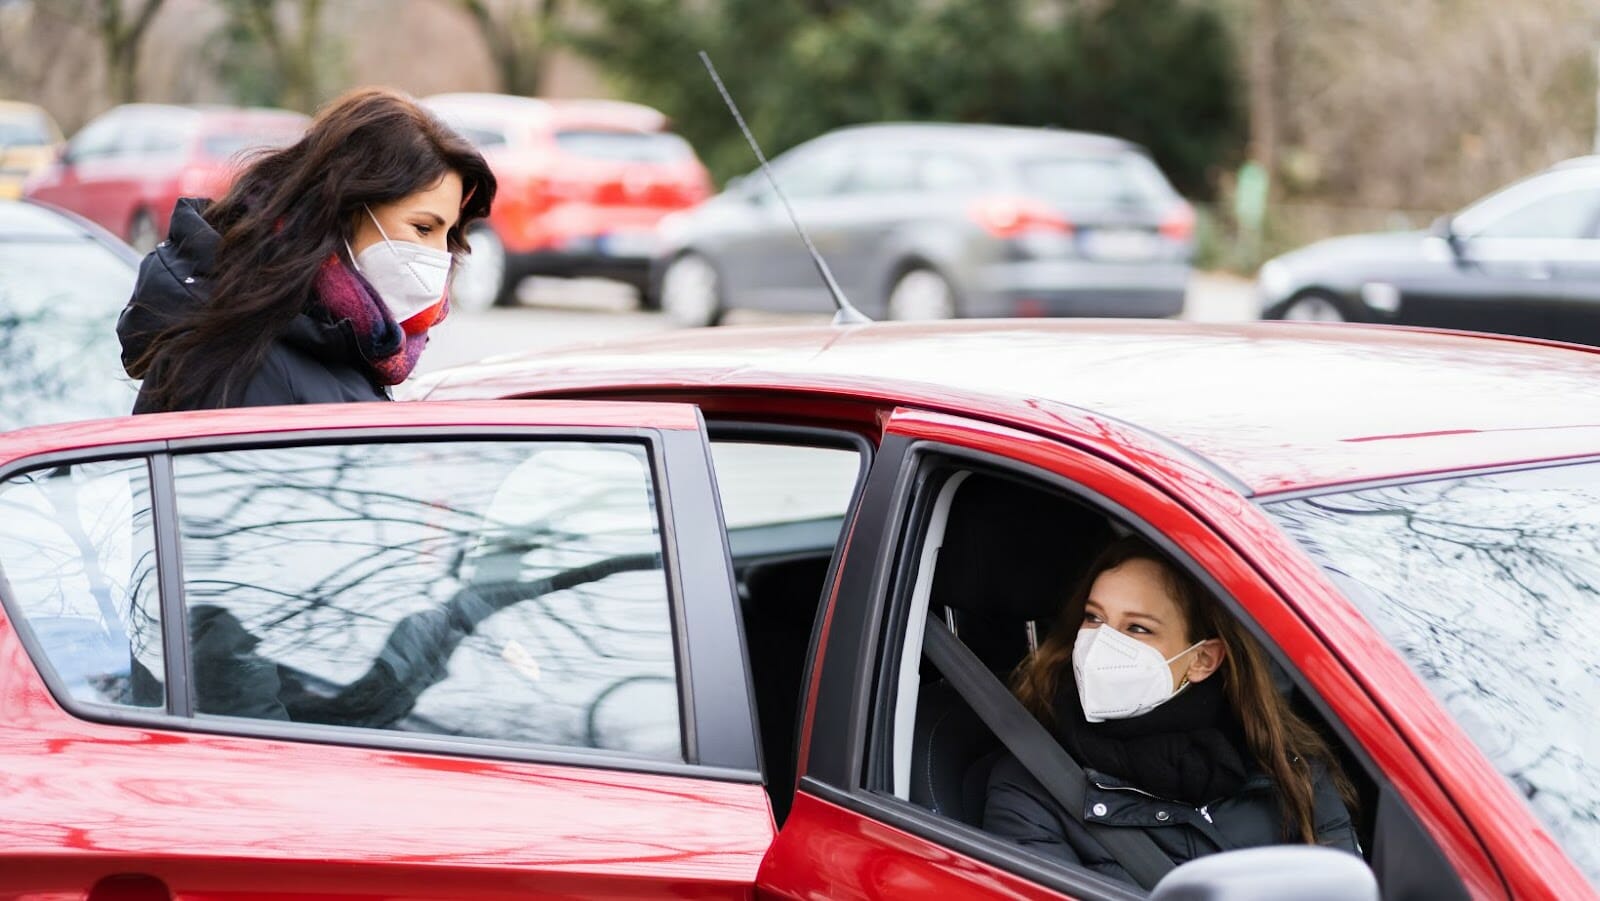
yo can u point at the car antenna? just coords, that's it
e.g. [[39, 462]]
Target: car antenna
[[847, 313]]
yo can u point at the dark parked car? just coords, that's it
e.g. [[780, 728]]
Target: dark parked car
[[126, 169], [63, 281], [935, 221], [1522, 261]]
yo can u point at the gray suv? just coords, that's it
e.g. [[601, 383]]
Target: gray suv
[[925, 221]]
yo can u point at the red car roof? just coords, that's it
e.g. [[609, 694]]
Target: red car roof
[[1278, 406]]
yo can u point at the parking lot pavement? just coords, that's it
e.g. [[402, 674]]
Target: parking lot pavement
[[558, 312]]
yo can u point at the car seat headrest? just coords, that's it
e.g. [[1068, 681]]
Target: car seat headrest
[[1013, 552]]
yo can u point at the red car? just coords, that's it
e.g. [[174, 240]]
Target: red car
[[647, 619], [127, 168], [582, 185]]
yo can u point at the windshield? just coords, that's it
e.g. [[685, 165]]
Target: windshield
[[1489, 586], [24, 131], [59, 358], [624, 146]]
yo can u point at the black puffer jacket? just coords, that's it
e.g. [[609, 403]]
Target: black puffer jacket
[[313, 361], [1019, 808]]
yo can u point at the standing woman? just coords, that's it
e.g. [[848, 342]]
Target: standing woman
[[1169, 706], [317, 277]]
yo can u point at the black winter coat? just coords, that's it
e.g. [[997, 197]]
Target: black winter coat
[[1019, 808], [313, 361]]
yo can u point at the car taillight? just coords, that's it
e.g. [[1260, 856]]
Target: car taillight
[[1179, 223], [1008, 217]]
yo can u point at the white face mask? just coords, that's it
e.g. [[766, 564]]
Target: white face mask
[[1120, 676], [409, 277]]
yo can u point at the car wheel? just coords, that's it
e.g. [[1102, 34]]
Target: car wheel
[[483, 280], [921, 293], [142, 234], [691, 293], [1313, 306]]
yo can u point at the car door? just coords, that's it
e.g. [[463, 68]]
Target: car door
[[468, 650], [762, 259], [1517, 257], [864, 824]]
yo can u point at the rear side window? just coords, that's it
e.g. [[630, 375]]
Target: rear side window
[[624, 146], [1124, 179], [227, 145], [505, 591], [77, 566]]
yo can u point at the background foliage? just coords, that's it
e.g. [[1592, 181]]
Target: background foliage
[[1159, 72]]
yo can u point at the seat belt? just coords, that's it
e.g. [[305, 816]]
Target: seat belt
[[1037, 750]]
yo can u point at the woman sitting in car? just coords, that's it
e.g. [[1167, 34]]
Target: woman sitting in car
[[1170, 706]]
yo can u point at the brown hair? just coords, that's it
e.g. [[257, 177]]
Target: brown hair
[[289, 211], [1283, 744]]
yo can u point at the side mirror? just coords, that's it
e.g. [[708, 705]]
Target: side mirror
[[1304, 872], [1444, 228]]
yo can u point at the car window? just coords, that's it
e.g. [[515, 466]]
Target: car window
[[77, 565], [765, 484], [1489, 586], [230, 144], [59, 301], [624, 146], [810, 172], [1124, 179], [882, 170], [511, 591], [1565, 215], [97, 139], [948, 172]]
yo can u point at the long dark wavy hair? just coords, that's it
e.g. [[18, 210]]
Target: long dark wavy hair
[[1283, 744], [289, 211]]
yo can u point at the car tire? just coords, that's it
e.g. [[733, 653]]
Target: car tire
[[142, 234], [1312, 306], [691, 291], [921, 293], [485, 279]]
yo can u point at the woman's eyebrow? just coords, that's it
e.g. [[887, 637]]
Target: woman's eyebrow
[[437, 219], [1149, 616]]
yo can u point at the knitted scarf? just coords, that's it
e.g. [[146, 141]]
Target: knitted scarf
[[388, 353], [1189, 749]]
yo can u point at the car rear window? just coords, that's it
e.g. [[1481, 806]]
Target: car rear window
[[624, 146], [1125, 179]]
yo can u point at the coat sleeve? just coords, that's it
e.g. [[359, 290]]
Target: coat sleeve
[[1018, 808], [1335, 827]]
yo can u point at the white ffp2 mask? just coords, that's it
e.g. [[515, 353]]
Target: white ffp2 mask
[[411, 279], [1119, 676]]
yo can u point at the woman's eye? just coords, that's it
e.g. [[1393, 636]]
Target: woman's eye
[[424, 230], [1091, 618], [1138, 629]]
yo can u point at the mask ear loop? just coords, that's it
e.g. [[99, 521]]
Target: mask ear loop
[[421, 283]]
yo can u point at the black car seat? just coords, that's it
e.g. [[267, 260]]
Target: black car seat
[[1011, 555]]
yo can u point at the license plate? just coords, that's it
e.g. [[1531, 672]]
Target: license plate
[[1121, 244], [629, 244]]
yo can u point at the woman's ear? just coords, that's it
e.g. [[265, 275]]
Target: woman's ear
[[1207, 659]]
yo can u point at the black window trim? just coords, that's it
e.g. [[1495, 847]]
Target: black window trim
[[714, 746], [866, 728]]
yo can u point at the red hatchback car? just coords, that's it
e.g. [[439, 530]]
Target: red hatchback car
[[651, 619], [127, 168], [583, 184]]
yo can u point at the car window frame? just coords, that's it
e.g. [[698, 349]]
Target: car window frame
[[856, 777], [718, 739]]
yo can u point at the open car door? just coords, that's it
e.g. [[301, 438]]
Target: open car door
[[469, 650]]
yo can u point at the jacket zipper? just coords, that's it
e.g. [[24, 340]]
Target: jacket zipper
[[1202, 809]]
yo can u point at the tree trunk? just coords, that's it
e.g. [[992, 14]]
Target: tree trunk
[[1266, 72]]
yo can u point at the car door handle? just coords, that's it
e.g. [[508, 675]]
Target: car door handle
[[130, 887]]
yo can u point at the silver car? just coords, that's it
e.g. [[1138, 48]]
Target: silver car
[[926, 221]]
